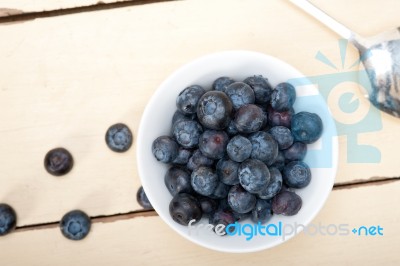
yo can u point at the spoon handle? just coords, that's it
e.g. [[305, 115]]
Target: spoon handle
[[321, 16]]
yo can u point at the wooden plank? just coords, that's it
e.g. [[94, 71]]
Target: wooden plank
[[65, 80], [148, 241]]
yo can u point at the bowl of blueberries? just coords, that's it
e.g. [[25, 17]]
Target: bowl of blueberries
[[236, 152]]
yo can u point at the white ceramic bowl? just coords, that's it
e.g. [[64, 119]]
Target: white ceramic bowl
[[156, 121]]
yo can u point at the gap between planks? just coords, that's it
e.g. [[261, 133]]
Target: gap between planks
[[151, 213]]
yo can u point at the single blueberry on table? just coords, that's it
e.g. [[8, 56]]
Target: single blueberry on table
[[221, 191], [214, 110], [183, 156], [286, 203], [296, 152], [204, 180], [274, 186], [306, 127], [187, 133], [58, 161], [212, 143], [197, 160], [279, 161], [142, 199], [178, 116], [208, 205], [283, 118], [119, 137], [264, 147], [177, 180], [239, 148], [283, 136], [262, 212], [227, 171], [165, 149], [240, 200], [249, 118], [297, 174], [188, 99], [75, 225], [253, 175], [221, 83], [221, 217], [283, 97], [184, 207], [240, 94], [8, 219], [262, 88]]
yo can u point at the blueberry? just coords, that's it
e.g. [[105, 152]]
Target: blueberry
[[188, 99], [220, 84], [274, 186], [184, 207], [208, 205], [283, 97], [279, 161], [165, 149], [142, 199], [231, 129], [239, 148], [240, 94], [8, 219], [262, 88], [286, 203], [227, 171], [264, 147], [297, 174], [187, 133], [212, 143], [253, 175], [296, 152], [262, 212], [283, 118], [204, 180], [58, 161], [178, 116], [119, 137], [221, 191], [306, 127], [183, 156], [197, 160], [240, 200], [222, 217], [75, 225], [249, 118], [239, 217], [177, 180], [283, 136], [214, 110]]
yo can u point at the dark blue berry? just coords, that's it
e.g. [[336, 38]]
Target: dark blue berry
[[142, 199], [58, 161], [262, 88], [262, 212], [231, 129], [240, 217], [208, 205], [212, 143], [220, 84], [296, 152], [184, 207], [283, 136], [119, 137], [165, 149], [239, 148], [274, 186], [283, 118], [221, 191], [306, 127], [283, 97], [177, 180], [264, 147], [297, 174], [197, 160], [227, 171], [253, 175], [240, 94], [8, 219], [188, 99], [178, 116], [75, 225], [214, 110], [187, 133], [183, 156], [249, 118], [221, 217], [240, 200], [286, 203], [279, 162], [204, 180]]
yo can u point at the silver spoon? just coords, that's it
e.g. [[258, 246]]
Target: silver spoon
[[380, 56]]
